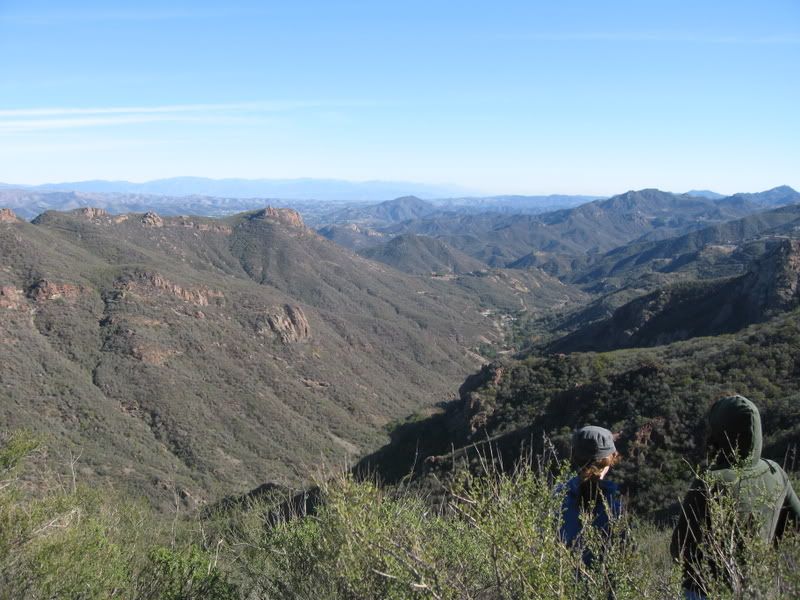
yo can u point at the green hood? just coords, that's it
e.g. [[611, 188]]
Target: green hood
[[736, 431]]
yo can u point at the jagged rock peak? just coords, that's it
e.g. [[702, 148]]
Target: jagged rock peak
[[286, 216], [151, 219], [7, 216]]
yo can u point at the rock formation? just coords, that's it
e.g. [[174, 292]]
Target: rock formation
[[7, 216], [285, 216], [144, 282], [91, 213], [772, 283], [151, 219], [45, 289], [289, 323]]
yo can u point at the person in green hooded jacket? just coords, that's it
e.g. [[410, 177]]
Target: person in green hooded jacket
[[758, 488]]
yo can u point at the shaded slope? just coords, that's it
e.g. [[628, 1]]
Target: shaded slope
[[422, 255], [656, 398], [697, 308], [630, 261], [352, 236]]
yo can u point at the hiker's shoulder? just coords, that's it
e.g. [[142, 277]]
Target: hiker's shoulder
[[609, 487]]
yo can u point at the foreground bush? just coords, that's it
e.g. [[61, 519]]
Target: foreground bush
[[73, 542], [496, 537]]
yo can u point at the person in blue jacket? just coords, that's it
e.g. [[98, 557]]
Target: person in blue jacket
[[590, 492]]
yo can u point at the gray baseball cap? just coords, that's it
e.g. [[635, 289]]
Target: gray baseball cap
[[591, 443]]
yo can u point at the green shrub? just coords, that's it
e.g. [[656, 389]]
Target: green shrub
[[184, 574]]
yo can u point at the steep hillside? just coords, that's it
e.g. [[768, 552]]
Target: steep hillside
[[698, 308], [208, 355], [422, 255]]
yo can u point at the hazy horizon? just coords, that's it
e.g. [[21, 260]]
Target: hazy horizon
[[497, 98], [436, 190]]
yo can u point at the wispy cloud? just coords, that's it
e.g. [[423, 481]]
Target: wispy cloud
[[38, 119], [667, 37]]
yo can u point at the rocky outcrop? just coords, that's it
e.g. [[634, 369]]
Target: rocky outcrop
[[151, 219], [474, 410], [284, 216], [289, 323], [773, 282], [363, 230], [7, 216], [45, 289], [145, 282], [91, 213]]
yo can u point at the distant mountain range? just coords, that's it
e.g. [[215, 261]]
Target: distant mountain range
[[322, 202], [286, 189], [558, 241]]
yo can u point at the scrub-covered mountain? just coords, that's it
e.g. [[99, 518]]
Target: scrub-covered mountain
[[698, 308], [713, 251], [209, 355], [564, 240]]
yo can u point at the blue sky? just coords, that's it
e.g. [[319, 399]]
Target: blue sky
[[498, 97]]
